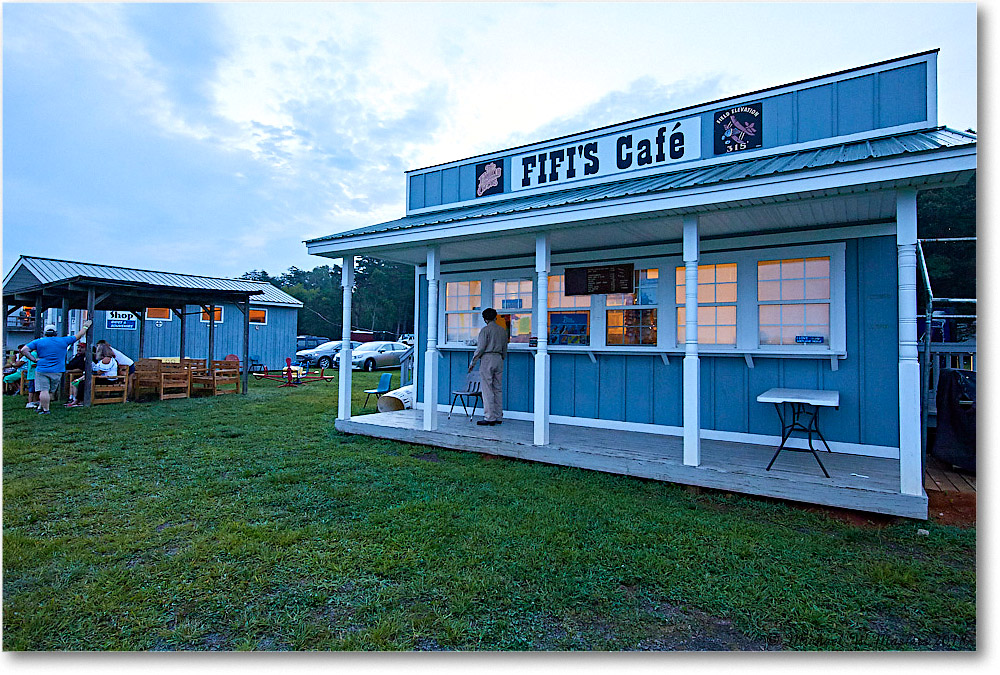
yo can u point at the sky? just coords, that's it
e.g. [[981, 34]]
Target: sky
[[214, 138]]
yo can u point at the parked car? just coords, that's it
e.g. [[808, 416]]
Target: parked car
[[322, 355], [309, 341], [372, 355], [407, 338]]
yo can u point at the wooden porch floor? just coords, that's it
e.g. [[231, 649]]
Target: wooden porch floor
[[944, 478], [857, 482]]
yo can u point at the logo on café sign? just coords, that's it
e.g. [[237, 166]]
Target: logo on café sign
[[738, 129], [488, 178]]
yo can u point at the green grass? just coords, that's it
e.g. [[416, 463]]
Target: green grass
[[249, 523]]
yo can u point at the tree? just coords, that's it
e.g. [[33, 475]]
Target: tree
[[382, 300]]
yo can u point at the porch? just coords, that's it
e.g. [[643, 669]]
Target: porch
[[857, 481]]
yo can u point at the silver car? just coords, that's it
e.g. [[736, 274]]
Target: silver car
[[322, 355], [372, 355]]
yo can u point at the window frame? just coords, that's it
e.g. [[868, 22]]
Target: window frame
[[566, 309], [257, 323], [443, 305], [202, 314], [657, 306], [531, 311], [170, 314], [680, 305]]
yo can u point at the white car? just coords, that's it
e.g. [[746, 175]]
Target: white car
[[372, 355]]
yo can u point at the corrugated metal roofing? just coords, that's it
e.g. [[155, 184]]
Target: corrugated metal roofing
[[889, 146], [48, 270]]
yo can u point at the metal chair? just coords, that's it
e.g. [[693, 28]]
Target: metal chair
[[384, 383], [472, 390]]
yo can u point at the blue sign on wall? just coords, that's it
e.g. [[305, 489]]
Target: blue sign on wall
[[809, 339], [569, 328], [121, 321]]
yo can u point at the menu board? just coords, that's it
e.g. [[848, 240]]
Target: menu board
[[600, 280]]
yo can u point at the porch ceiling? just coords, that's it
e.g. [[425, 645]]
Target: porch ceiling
[[789, 212]]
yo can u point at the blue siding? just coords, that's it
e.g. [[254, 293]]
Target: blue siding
[[432, 188], [815, 113], [467, 187], [902, 97], [416, 191], [856, 105], [272, 342], [449, 185], [779, 120]]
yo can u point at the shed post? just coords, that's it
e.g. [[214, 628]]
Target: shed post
[[543, 253], [432, 355], [182, 316], [38, 315], [344, 376], [64, 318], [88, 363], [692, 366], [910, 465], [245, 378], [141, 316], [211, 336]]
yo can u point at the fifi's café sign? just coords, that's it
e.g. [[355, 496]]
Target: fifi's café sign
[[621, 153]]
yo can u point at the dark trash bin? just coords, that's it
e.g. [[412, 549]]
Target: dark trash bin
[[954, 440]]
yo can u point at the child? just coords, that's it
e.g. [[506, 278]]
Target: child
[[106, 366]]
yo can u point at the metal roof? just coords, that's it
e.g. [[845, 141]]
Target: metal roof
[[49, 271], [802, 160]]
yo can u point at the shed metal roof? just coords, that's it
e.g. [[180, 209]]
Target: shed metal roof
[[872, 149], [49, 271]]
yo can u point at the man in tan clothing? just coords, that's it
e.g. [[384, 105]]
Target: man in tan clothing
[[491, 349]]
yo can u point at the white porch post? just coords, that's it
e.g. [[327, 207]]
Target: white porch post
[[344, 377], [692, 367], [542, 374], [910, 469], [432, 355]]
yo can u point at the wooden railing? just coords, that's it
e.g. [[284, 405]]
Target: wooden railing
[[406, 362]]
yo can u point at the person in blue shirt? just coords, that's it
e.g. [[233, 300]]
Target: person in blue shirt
[[51, 360]]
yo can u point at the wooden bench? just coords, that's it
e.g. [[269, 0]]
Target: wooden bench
[[107, 390], [175, 381], [224, 379]]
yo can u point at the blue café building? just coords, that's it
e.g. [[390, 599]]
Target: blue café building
[[659, 275]]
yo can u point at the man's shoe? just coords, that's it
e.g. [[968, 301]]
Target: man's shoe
[[43, 412], [485, 423], [32, 404]]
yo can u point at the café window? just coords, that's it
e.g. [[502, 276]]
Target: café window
[[258, 316], [462, 305], [218, 315], [793, 301], [159, 314], [635, 323], [512, 300], [716, 304], [569, 315]]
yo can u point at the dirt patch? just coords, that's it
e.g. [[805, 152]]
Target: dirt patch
[[952, 508], [428, 456], [161, 528], [428, 645], [874, 521], [684, 628]]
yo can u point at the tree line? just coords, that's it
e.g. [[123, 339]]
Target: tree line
[[382, 301]]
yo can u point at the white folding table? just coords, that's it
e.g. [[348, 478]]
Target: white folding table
[[804, 404]]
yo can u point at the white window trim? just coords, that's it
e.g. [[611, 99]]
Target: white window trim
[[747, 334], [259, 309], [222, 315], [443, 304], [170, 314]]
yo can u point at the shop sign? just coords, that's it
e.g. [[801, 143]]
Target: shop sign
[[489, 178], [120, 321], [619, 153], [737, 129]]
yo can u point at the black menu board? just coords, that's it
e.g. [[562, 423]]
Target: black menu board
[[599, 280]]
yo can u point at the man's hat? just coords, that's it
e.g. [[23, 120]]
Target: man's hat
[[50, 328]]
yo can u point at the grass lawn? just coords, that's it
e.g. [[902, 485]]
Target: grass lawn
[[249, 523]]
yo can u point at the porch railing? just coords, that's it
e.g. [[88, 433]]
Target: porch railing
[[406, 367]]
